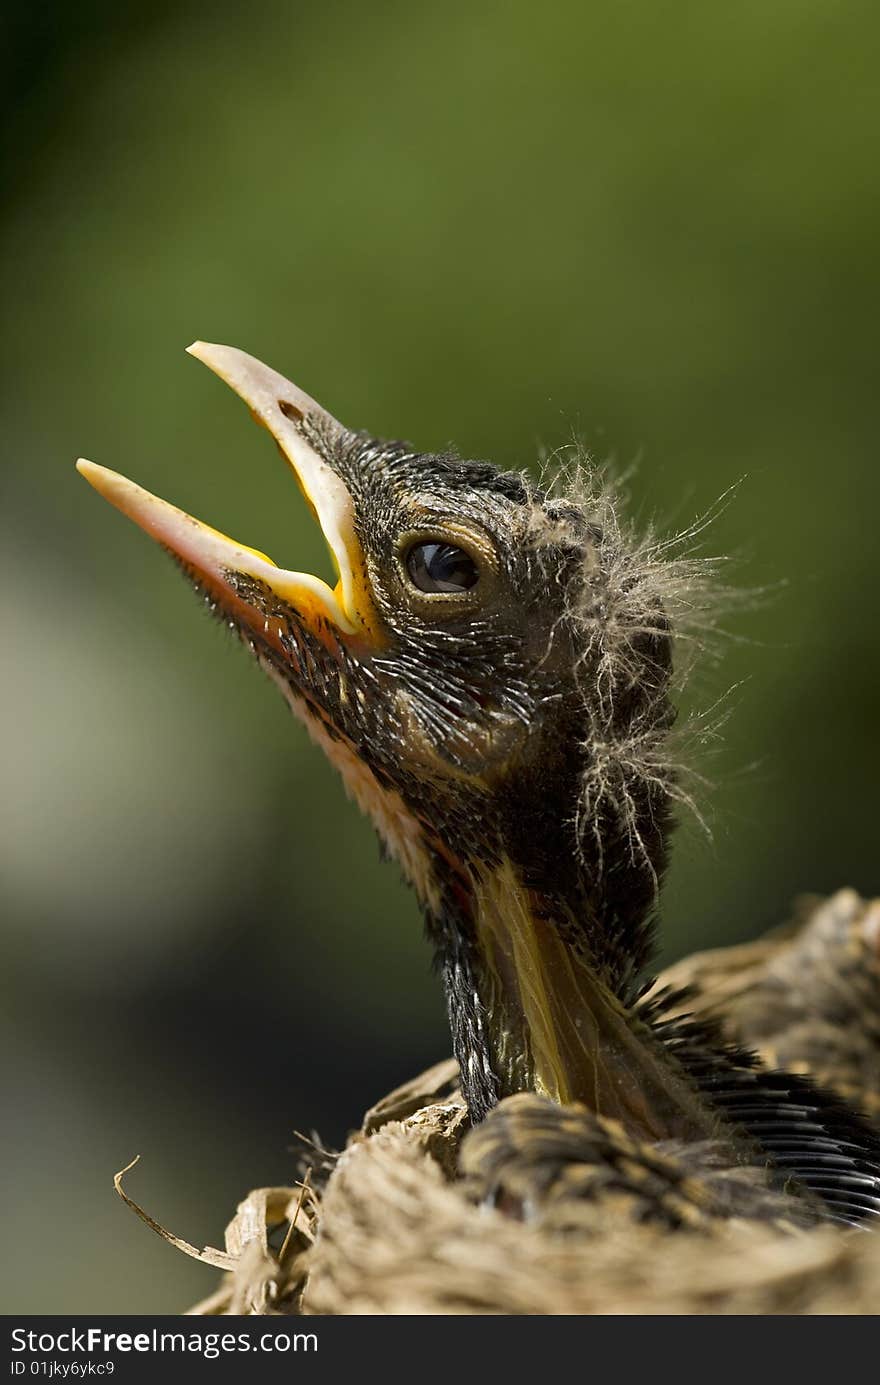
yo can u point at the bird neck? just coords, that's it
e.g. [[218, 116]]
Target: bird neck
[[533, 1007]]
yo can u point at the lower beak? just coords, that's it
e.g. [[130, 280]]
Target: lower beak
[[245, 582]]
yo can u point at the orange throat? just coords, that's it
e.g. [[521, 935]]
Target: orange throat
[[562, 1032]]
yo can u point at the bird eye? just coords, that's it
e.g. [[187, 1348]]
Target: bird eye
[[441, 567]]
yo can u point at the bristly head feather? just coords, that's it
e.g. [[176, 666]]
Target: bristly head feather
[[649, 605]]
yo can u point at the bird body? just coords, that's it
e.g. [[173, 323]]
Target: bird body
[[491, 675]]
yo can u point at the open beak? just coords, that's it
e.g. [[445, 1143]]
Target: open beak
[[231, 570]]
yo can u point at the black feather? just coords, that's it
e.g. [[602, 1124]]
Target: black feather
[[807, 1134]]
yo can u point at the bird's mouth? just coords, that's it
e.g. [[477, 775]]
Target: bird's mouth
[[245, 582]]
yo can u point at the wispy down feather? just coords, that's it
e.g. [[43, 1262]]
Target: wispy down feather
[[649, 604]]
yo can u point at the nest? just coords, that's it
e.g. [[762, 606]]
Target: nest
[[385, 1227]]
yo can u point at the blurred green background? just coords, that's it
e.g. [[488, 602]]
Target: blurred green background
[[654, 223]]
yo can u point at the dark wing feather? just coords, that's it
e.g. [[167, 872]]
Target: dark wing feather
[[807, 1134]]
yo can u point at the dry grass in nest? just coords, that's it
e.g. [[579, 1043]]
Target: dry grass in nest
[[390, 1231]]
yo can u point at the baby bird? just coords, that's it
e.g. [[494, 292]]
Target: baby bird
[[490, 675]]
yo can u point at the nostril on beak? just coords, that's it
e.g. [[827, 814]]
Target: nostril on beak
[[291, 411]]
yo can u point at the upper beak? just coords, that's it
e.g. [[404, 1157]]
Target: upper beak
[[291, 417]]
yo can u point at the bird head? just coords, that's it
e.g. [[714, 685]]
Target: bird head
[[486, 651]]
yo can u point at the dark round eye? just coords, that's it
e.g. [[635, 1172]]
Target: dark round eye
[[441, 567]]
